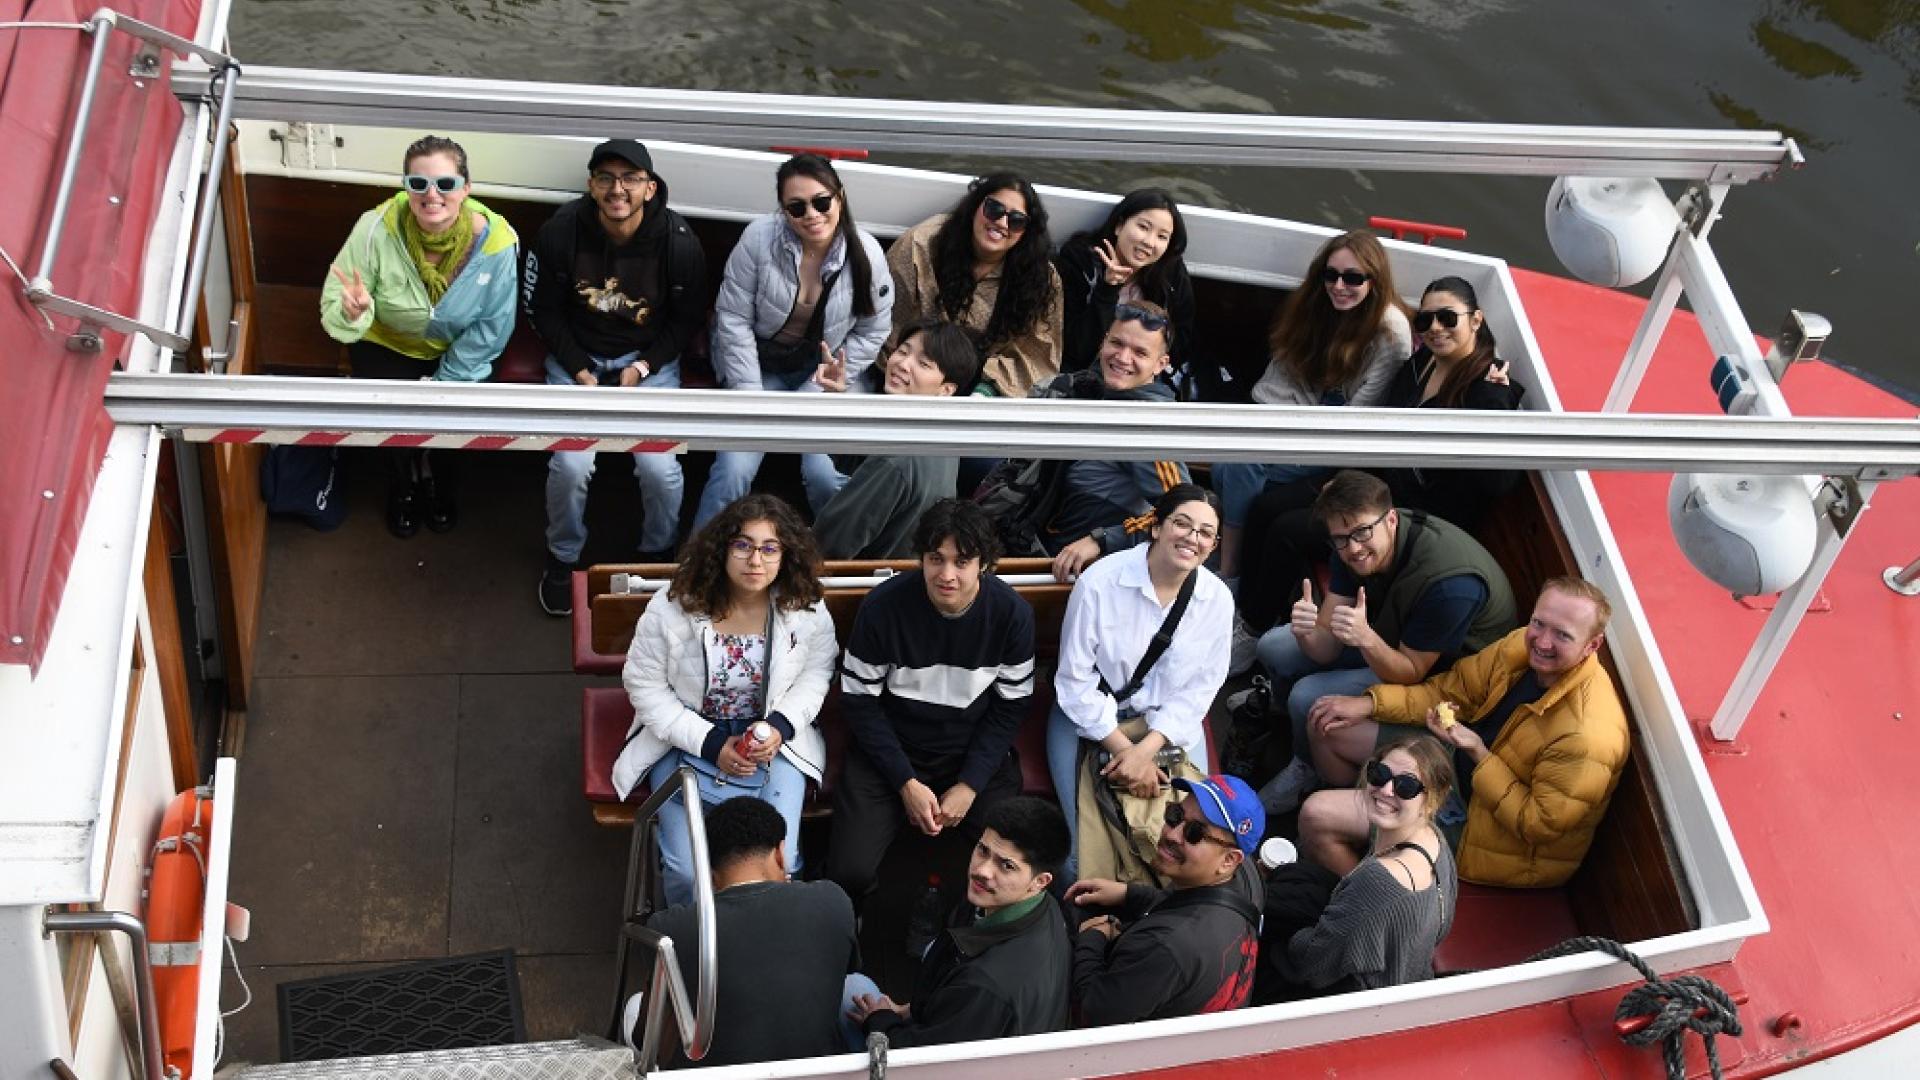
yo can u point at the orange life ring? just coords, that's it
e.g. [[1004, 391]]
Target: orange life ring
[[176, 904]]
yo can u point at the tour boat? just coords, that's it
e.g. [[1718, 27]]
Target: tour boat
[[163, 334]]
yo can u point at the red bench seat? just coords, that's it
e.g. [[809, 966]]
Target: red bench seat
[[1494, 927]]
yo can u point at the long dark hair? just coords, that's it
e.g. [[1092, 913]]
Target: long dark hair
[[1324, 347], [1474, 367], [1155, 280], [815, 167], [1026, 275], [700, 584]]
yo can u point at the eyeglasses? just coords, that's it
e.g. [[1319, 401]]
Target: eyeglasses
[[1183, 524], [446, 185], [1193, 830], [1406, 786], [1446, 317], [743, 549], [797, 208], [1338, 541], [628, 181], [1352, 279], [994, 209], [1147, 319]]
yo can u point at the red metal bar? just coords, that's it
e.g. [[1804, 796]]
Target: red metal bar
[[835, 153], [1427, 232], [1639, 1023]]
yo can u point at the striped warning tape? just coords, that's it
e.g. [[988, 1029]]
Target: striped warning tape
[[454, 441]]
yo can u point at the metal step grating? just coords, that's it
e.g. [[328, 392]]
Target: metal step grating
[[583, 1058], [462, 1001]]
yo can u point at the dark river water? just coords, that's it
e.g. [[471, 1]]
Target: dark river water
[[1840, 236]]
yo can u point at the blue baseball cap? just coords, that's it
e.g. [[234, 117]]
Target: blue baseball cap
[[1228, 802]]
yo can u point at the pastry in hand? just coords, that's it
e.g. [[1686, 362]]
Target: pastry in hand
[[1445, 711]]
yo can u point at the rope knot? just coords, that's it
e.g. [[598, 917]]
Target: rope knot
[[1676, 1006]]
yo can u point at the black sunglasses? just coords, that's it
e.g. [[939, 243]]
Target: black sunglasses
[[1193, 831], [1406, 786], [821, 203], [1446, 317], [1148, 319], [1352, 279], [995, 210], [447, 184]]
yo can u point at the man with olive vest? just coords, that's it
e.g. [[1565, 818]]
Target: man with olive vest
[[1408, 594]]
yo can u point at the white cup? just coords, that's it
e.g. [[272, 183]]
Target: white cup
[[1276, 851]]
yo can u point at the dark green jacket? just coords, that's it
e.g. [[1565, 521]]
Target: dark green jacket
[[1425, 550]]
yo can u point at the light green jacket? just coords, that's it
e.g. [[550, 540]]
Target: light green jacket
[[465, 332]]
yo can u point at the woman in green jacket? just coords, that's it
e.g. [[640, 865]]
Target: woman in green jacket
[[424, 289]]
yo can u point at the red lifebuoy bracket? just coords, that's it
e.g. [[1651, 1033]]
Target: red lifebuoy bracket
[[176, 905], [1425, 232]]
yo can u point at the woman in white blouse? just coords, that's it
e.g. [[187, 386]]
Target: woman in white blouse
[[1117, 606]]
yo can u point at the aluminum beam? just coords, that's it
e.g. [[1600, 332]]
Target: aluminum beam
[[758, 121], [867, 423]]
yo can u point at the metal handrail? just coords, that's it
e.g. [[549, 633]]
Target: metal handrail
[[40, 290], [84, 922], [1903, 580], [666, 986]]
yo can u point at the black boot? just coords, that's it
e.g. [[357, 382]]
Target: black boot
[[403, 511], [436, 504]]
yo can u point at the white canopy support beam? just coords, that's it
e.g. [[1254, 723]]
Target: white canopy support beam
[[1871, 449], [759, 121]]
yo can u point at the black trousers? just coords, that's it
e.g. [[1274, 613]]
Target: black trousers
[[405, 464], [1280, 546], [867, 815]]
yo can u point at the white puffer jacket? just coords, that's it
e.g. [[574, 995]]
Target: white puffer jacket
[[757, 293], [667, 668]]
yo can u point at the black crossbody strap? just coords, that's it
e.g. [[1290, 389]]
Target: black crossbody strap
[[1162, 638]]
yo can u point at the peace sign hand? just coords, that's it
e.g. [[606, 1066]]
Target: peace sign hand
[[354, 297], [1115, 272], [832, 372]]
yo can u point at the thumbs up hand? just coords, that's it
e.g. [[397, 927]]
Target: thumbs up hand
[[1305, 617], [1349, 623]]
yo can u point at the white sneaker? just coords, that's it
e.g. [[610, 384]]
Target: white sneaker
[[1246, 648], [630, 1020], [1283, 793]]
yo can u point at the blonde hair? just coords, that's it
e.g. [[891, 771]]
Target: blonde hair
[[1582, 589]]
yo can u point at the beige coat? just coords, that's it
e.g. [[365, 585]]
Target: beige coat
[[1015, 366]]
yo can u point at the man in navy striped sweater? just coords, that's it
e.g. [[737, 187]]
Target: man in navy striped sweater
[[934, 683]]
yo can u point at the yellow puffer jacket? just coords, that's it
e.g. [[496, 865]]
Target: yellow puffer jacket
[[1541, 792]]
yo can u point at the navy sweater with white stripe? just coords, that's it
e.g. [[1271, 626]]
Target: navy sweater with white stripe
[[933, 697]]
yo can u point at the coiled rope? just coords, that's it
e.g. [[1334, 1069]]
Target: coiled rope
[[1678, 1005]]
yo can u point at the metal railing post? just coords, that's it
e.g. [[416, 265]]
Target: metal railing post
[[665, 986], [83, 922], [1905, 581], [209, 204], [101, 24]]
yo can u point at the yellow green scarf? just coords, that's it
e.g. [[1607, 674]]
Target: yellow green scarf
[[453, 246]]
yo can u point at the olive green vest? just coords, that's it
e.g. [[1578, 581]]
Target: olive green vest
[[1426, 549]]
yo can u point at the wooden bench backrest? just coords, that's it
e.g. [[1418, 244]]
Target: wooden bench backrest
[[614, 614], [1629, 886]]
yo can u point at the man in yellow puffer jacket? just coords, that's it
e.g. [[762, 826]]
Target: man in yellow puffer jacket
[[1540, 742]]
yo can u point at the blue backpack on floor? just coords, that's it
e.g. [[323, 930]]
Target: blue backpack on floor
[[304, 481]]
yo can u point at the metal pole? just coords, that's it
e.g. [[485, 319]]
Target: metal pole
[[1905, 582], [101, 24], [709, 945], [1646, 339], [1778, 631], [209, 204], [82, 922]]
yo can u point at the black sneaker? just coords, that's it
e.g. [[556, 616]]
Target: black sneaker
[[403, 512], [436, 505], [556, 587]]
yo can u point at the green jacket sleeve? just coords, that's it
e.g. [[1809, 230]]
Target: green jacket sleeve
[[355, 257]]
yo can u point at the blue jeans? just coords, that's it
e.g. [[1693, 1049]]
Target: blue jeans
[[662, 487], [1239, 484], [785, 790], [1280, 653], [1063, 765], [734, 470], [857, 983]]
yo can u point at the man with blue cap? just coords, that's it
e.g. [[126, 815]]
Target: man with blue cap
[[1188, 948]]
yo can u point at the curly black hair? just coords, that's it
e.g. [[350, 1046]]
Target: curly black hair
[[970, 527], [1026, 275], [700, 584], [742, 829], [1036, 827]]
